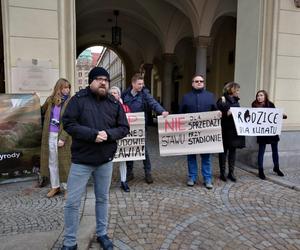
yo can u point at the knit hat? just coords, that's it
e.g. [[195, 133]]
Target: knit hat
[[97, 71]]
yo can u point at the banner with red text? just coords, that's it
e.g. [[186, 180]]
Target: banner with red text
[[193, 133], [257, 121], [132, 147]]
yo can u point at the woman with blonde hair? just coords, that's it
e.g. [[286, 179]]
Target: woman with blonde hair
[[231, 140], [55, 149]]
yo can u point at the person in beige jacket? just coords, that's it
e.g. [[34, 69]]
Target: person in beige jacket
[[56, 143]]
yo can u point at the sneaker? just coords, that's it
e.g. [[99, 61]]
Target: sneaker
[[190, 183], [129, 176], [148, 178], [105, 242], [125, 186], [208, 185], [53, 192]]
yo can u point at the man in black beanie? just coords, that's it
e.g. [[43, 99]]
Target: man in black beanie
[[95, 120]]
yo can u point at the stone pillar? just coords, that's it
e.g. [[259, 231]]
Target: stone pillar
[[201, 43], [167, 81], [147, 77], [28, 44]]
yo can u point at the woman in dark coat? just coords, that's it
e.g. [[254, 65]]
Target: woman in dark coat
[[262, 101], [231, 140]]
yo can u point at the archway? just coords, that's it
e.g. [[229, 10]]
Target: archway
[[222, 62]]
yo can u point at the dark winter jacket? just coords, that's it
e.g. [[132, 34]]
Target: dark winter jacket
[[229, 134], [266, 139], [142, 102], [85, 115], [198, 101]]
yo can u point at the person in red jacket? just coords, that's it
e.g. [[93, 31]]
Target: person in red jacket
[[262, 101], [116, 92]]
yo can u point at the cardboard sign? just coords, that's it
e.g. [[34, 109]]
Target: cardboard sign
[[257, 121], [193, 133], [132, 147]]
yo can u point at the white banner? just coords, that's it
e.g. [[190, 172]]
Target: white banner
[[194, 133], [132, 147], [257, 121]]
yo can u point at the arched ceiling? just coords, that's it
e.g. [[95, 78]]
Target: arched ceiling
[[149, 27]]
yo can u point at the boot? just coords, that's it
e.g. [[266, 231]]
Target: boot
[[148, 178], [222, 174], [277, 170], [231, 175], [125, 186], [261, 174], [53, 192]]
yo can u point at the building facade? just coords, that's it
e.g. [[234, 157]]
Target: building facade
[[84, 63], [113, 64], [255, 43]]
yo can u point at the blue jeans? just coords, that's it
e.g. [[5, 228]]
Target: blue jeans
[[77, 181], [205, 169], [261, 152]]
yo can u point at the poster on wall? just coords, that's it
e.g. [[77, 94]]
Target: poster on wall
[[193, 133], [30, 75], [257, 121], [20, 134], [132, 147]]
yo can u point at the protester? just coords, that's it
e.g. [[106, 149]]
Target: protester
[[95, 120], [116, 92], [262, 101], [231, 141], [55, 147], [198, 100], [138, 99]]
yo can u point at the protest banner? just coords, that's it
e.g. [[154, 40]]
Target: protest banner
[[132, 147], [193, 133], [20, 134], [257, 121]]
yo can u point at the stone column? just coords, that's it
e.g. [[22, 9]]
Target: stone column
[[147, 77], [167, 81], [201, 43]]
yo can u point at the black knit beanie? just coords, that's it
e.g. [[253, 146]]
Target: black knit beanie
[[97, 71]]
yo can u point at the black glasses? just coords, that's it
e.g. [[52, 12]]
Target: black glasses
[[197, 81], [101, 79]]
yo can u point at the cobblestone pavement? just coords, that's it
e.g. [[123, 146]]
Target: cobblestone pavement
[[249, 214]]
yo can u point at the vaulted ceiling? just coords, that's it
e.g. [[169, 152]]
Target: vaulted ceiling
[[149, 27]]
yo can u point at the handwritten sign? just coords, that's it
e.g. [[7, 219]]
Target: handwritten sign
[[132, 147], [193, 133], [257, 121]]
